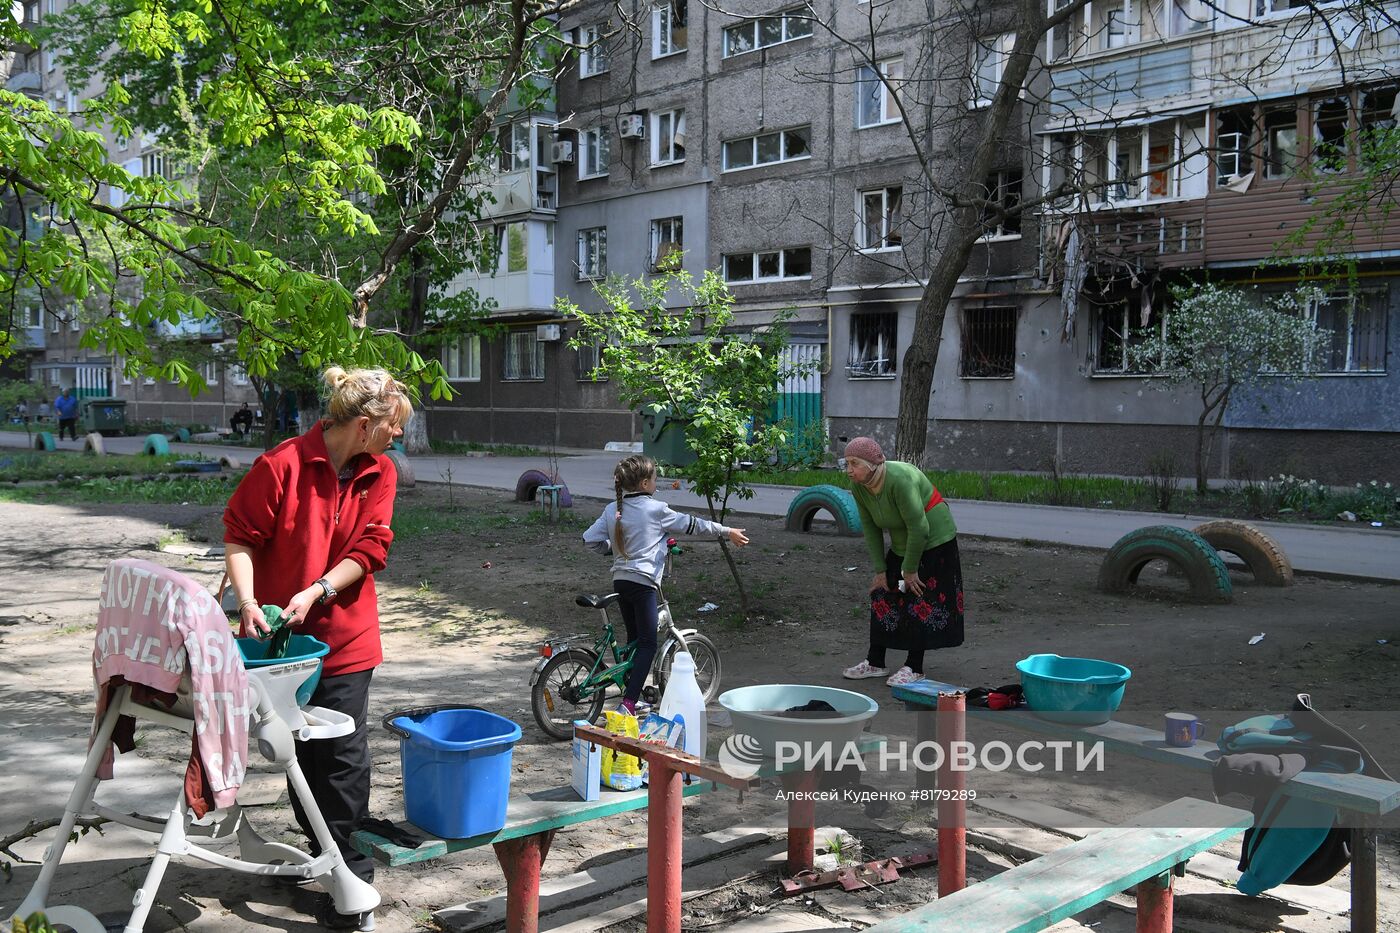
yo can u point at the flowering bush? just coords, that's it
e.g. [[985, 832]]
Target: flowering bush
[[1371, 502], [1298, 494]]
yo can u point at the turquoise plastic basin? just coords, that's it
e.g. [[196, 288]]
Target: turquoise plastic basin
[[1078, 691], [299, 648]]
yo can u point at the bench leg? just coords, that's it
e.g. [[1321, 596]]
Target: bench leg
[[802, 820], [1363, 879], [664, 857], [952, 807], [521, 860], [1154, 904]]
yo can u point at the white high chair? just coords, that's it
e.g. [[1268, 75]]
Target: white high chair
[[275, 726]]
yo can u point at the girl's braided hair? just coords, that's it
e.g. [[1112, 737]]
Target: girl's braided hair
[[628, 476]]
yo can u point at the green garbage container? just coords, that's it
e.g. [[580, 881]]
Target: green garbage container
[[663, 438], [106, 416]]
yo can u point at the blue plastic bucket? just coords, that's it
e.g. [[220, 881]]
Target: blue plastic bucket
[[456, 768], [299, 648], [1078, 691]]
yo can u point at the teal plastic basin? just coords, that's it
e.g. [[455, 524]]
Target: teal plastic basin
[[756, 711], [1078, 691], [299, 648]]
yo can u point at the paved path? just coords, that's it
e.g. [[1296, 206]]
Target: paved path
[[1357, 552]]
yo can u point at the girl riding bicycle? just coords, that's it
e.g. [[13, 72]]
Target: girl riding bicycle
[[634, 531]]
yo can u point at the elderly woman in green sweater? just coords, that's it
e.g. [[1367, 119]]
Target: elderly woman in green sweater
[[916, 596]]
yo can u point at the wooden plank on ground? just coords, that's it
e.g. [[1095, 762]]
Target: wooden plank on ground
[[588, 886], [1080, 875]]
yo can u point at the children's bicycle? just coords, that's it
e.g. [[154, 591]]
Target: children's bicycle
[[571, 679]]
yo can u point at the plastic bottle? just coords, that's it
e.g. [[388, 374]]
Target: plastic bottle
[[684, 702]]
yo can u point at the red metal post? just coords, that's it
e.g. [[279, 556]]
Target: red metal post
[[952, 787], [802, 820], [1154, 905], [521, 860], [663, 847]]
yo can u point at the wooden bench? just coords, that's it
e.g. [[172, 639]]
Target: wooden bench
[[1145, 854], [1364, 800], [533, 818]]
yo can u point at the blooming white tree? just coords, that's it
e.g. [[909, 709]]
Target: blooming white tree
[[1222, 338]]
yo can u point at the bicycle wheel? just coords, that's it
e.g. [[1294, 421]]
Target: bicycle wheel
[[707, 666], [555, 699]]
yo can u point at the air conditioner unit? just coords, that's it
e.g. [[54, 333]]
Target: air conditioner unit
[[547, 332], [562, 152], [631, 126]]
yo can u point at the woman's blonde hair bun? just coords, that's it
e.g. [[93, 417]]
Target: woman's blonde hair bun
[[358, 393]]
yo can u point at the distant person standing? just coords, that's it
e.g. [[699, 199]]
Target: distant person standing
[[43, 408], [67, 407]]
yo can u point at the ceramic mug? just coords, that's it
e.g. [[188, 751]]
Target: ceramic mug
[[1181, 729]]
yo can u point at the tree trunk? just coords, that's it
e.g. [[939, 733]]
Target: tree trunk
[[415, 433], [308, 409], [1202, 450], [717, 515]]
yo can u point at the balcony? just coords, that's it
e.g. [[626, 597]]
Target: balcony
[[1142, 239], [25, 82]]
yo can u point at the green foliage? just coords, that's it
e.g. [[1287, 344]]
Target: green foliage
[[35, 923], [682, 357], [1218, 339], [315, 150]]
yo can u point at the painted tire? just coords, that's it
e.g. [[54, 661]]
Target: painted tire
[[181, 434], [1185, 550], [43, 441], [529, 481], [1260, 553], [398, 445], [93, 444], [840, 503], [230, 463], [156, 445], [404, 468]]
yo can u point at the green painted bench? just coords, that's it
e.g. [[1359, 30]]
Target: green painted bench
[[1364, 800], [531, 822], [1144, 854]]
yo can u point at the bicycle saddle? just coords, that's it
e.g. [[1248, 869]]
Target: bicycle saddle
[[589, 601]]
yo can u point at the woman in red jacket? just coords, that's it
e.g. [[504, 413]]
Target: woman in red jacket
[[306, 530]]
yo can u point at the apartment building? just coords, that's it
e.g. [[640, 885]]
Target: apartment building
[[1192, 137], [760, 147]]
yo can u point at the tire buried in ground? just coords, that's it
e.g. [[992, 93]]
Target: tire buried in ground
[[156, 445], [404, 468], [1185, 550], [93, 444], [1259, 552], [528, 482], [44, 441], [839, 502]]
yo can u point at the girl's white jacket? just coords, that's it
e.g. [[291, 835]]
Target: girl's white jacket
[[646, 524]]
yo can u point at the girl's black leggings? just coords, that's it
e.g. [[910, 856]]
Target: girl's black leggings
[[637, 602]]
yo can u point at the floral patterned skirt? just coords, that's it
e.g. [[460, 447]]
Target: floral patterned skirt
[[907, 622]]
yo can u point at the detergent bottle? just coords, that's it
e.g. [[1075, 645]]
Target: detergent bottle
[[684, 703]]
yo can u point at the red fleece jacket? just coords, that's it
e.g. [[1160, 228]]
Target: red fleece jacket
[[300, 522]]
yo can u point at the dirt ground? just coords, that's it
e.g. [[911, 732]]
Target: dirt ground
[[475, 582]]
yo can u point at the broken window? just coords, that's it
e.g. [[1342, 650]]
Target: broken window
[[873, 347], [1330, 119], [988, 343]]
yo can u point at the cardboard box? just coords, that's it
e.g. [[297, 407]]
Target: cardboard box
[[587, 778]]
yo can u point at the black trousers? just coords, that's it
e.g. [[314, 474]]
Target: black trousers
[[638, 605], [68, 424], [338, 770]]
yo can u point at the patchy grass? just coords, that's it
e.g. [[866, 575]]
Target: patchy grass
[[500, 450], [168, 489], [416, 521], [29, 465]]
